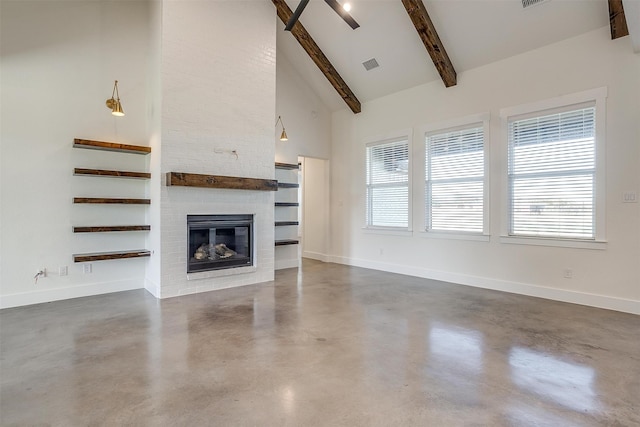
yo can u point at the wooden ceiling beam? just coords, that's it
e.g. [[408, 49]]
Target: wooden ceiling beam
[[318, 57], [617, 20], [429, 36]]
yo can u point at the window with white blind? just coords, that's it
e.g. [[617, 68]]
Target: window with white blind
[[388, 184], [454, 178], [552, 173]]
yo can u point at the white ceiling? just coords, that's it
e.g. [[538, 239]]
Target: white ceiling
[[474, 33]]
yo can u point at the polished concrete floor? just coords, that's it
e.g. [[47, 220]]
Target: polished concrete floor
[[328, 345]]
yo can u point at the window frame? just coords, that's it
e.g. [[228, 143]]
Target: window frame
[[550, 106], [389, 138], [475, 120]]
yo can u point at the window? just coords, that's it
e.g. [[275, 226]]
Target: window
[[454, 175], [552, 173], [388, 184]]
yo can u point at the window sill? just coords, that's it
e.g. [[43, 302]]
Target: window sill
[[560, 243], [387, 231], [455, 236]]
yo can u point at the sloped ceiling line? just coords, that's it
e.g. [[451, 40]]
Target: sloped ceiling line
[[318, 57], [429, 36]]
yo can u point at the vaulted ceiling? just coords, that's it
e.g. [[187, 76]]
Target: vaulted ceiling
[[473, 32]]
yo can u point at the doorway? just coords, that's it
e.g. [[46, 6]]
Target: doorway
[[314, 207]]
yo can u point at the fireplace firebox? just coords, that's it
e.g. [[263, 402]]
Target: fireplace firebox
[[218, 242]]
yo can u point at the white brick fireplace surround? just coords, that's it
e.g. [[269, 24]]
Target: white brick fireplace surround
[[183, 201], [217, 107]]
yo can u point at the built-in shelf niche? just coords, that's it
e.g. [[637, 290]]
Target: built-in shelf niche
[[111, 146], [286, 242], [110, 228], [288, 204], [110, 173], [288, 185], [111, 201], [104, 256]]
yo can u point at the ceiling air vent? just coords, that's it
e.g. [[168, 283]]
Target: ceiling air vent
[[529, 3], [370, 64]]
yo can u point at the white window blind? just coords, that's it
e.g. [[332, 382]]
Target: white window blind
[[388, 184], [551, 174], [455, 180]]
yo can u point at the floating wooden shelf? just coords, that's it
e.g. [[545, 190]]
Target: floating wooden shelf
[[288, 166], [102, 256], [286, 242], [111, 173], [283, 223], [217, 181], [108, 228], [110, 146], [288, 185], [287, 204], [100, 200]]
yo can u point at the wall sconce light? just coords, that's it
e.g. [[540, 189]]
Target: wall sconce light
[[113, 103], [283, 135]]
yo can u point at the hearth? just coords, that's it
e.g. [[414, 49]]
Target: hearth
[[218, 242]]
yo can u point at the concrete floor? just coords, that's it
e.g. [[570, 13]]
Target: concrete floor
[[330, 345]]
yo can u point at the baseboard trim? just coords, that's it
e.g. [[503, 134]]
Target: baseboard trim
[[152, 287], [563, 295], [49, 295], [315, 255]]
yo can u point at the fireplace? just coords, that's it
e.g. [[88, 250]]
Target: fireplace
[[218, 242]]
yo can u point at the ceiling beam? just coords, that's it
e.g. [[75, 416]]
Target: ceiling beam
[[617, 20], [632, 14], [318, 57], [427, 32]]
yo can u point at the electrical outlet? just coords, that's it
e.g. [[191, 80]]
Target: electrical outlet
[[86, 268], [629, 197], [568, 273], [63, 270]]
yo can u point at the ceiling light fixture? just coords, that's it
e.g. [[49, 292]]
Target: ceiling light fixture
[[347, 7], [113, 103], [283, 135]]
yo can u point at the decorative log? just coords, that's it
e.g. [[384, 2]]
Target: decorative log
[[617, 20], [111, 173], [217, 181], [102, 256], [102, 229], [99, 200], [318, 57], [110, 146], [429, 36]]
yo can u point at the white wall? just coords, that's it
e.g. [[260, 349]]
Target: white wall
[[606, 278], [58, 61], [306, 118], [218, 86]]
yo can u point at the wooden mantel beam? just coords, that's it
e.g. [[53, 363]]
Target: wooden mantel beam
[[617, 20], [318, 57], [427, 32]]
